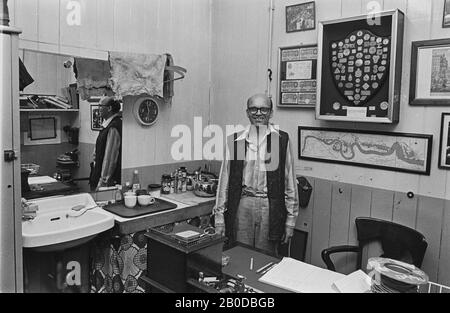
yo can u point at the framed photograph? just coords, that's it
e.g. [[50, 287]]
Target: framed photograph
[[40, 128], [297, 76], [96, 119], [301, 17], [430, 73], [444, 143], [446, 17], [359, 68], [409, 153]]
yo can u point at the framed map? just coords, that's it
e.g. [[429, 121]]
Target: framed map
[[410, 153]]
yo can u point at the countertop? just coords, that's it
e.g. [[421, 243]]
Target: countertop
[[188, 206], [50, 189]]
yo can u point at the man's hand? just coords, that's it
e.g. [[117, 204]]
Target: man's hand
[[289, 232], [220, 229]]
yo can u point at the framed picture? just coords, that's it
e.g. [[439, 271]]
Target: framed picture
[[444, 143], [300, 17], [430, 73], [359, 68], [96, 118], [446, 17], [297, 76], [409, 153]]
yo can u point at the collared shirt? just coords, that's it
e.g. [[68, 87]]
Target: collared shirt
[[254, 178], [108, 121], [112, 149]]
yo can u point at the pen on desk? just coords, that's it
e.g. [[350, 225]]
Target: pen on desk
[[264, 267], [251, 264], [268, 269]]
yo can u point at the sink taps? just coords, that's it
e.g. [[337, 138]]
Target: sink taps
[[29, 210]]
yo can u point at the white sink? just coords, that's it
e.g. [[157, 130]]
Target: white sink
[[58, 227]]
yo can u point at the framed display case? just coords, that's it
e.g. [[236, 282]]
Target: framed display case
[[297, 76], [359, 68]]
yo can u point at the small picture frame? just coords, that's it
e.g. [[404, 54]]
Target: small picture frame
[[430, 73], [96, 118], [301, 17], [446, 15], [444, 143]]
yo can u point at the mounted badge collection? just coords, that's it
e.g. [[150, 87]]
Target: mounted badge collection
[[360, 64], [359, 69]]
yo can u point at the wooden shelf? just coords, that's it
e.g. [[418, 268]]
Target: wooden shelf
[[49, 110]]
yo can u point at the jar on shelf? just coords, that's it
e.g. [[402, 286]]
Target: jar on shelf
[[166, 182]]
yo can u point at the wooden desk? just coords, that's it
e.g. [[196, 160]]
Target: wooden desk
[[240, 264]]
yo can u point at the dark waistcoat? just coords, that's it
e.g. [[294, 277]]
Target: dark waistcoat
[[100, 147], [275, 186]]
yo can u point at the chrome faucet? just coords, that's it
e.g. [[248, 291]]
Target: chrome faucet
[[29, 210]]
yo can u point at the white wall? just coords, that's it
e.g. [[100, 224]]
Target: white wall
[[241, 30], [179, 27]]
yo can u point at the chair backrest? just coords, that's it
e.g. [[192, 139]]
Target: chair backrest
[[398, 242]]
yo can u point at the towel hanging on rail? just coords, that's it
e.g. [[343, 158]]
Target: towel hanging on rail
[[133, 74], [92, 77], [25, 78]]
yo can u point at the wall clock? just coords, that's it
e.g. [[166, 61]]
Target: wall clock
[[146, 110]]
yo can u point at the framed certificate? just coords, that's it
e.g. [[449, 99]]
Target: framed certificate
[[297, 76]]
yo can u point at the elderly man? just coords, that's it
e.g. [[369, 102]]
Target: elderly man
[[106, 168], [257, 199]]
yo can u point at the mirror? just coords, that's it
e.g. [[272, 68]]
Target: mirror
[[58, 128]]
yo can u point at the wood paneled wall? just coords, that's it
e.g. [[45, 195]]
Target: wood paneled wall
[[330, 216]]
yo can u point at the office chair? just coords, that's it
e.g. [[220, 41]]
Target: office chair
[[398, 242]]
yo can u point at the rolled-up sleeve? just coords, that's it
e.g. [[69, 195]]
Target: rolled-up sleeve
[[291, 193], [222, 189]]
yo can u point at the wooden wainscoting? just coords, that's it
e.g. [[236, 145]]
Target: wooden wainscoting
[[330, 220]]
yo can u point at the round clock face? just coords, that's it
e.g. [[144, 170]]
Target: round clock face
[[146, 111]]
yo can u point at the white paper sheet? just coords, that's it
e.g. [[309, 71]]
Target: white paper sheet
[[356, 282], [296, 276], [41, 180]]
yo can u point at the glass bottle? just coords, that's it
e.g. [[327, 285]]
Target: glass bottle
[[135, 181], [175, 182], [183, 179], [180, 181]]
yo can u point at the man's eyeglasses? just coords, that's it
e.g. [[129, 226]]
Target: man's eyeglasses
[[264, 111]]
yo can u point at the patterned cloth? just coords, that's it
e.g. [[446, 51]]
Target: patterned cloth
[[119, 263], [133, 74]]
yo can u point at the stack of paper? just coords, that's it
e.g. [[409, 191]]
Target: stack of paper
[[356, 282], [296, 276]]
